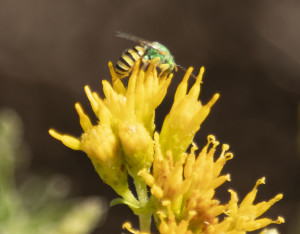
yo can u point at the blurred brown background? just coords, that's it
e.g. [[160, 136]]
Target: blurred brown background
[[50, 49]]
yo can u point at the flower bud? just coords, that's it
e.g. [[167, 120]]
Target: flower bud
[[137, 145], [103, 148]]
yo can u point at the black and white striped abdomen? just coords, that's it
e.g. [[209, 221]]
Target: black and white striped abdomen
[[128, 59]]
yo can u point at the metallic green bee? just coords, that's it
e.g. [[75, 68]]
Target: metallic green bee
[[145, 51]]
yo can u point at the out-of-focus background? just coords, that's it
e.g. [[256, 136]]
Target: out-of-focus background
[[50, 49]]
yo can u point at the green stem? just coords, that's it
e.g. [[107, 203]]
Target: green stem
[[145, 213], [141, 190], [128, 196], [145, 222]]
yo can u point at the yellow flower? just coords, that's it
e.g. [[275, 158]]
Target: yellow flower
[[243, 217], [182, 185], [122, 141], [184, 194], [186, 116]]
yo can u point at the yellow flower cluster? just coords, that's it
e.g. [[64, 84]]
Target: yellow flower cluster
[[182, 185], [185, 191]]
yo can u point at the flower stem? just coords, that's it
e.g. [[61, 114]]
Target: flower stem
[[145, 222], [145, 212], [129, 197]]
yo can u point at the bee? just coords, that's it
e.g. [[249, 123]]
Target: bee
[[145, 51]]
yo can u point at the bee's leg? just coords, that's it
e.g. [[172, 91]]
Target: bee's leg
[[163, 68], [175, 68], [145, 63]]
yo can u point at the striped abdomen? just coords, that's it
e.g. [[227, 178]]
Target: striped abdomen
[[128, 59]]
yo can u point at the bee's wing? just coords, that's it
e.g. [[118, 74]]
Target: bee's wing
[[142, 41], [133, 38]]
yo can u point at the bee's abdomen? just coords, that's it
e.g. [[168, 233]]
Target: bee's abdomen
[[127, 60]]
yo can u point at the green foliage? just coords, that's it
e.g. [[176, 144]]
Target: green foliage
[[37, 205]]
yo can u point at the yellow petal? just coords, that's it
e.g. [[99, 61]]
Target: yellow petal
[[182, 87], [89, 94], [67, 140], [85, 121], [195, 90]]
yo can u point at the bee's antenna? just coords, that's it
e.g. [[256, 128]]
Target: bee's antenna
[[184, 69]]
